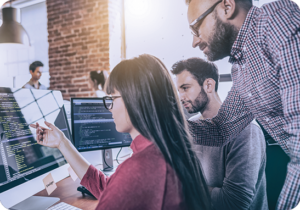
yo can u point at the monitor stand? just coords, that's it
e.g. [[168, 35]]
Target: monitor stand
[[107, 160], [35, 203]]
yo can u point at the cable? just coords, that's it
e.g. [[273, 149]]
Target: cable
[[118, 155], [108, 166]]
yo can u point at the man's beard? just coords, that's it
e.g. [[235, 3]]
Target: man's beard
[[221, 41], [199, 104]]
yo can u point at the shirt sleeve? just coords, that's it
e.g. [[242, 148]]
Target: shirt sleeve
[[232, 118], [137, 183], [132, 184], [245, 166], [95, 181], [290, 96]]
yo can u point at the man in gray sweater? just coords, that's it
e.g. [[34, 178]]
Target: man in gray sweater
[[235, 173]]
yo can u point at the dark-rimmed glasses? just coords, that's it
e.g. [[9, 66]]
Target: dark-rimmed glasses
[[108, 101], [195, 25]]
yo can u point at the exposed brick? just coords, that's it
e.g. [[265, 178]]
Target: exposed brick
[[80, 81], [73, 90], [83, 86], [71, 36], [78, 39], [85, 90], [65, 46], [83, 95], [70, 54]]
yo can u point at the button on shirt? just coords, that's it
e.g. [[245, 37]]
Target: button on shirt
[[266, 85]]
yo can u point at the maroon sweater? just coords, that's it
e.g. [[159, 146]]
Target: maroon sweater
[[144, 181]]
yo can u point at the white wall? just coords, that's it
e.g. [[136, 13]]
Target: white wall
[[114, 32], [160, 28], [262, 2], [16, 58], [34, 20], [14, 63]]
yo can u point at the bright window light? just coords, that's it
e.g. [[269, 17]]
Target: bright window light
[[137, 7]]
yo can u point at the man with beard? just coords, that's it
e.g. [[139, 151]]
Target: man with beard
[[235, 173], [264, 48], [35, 69]]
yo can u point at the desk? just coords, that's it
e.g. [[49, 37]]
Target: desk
[[67, 192]]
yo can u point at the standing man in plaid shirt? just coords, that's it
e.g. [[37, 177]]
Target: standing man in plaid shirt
[[264, 49]]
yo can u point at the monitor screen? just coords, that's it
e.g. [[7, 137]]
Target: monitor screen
[[21, 158], [93, 126]]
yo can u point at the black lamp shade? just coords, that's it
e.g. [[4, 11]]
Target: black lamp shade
[[11, 31]]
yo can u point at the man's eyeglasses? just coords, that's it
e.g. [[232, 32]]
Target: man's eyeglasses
[[108, 101], [195, 25]]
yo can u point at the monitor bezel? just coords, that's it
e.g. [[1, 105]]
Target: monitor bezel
[[67, 122], [72, 125], [32, 176]]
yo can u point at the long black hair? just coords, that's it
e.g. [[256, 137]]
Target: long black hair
[[154, 109]]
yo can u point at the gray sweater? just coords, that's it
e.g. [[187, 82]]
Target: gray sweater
[[236, 171]]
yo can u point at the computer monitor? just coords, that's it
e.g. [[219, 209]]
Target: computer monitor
[[23, 162], [93, 126]]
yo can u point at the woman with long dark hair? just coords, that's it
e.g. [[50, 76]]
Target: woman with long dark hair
[[97, 81], [163, 172]]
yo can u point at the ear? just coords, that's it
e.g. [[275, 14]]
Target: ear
[[209, 85], [227, 9]]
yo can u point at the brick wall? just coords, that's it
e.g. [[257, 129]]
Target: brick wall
[[78, 43]]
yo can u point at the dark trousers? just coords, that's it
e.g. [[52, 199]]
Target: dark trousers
[[276, 170]]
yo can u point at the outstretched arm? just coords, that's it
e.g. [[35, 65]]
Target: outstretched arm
[[290, 97], [232, 118], [55, 138]]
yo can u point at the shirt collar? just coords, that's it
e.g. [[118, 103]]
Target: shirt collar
[[31, 83], [239, 44], [139, 143]]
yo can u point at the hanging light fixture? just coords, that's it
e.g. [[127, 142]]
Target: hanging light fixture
[[11, 31]]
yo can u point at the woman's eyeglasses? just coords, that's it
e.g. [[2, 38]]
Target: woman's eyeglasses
[[108, 101]]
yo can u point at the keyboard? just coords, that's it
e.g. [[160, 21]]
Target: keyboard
[[63, 206]]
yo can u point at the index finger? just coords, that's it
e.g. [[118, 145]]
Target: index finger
[[35, 126]]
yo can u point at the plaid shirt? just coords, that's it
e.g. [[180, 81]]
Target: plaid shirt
[[266, 86]]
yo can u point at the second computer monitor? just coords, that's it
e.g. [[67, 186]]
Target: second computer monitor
[[93, 126]]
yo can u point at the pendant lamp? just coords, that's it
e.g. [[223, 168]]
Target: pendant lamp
[[11, 31]]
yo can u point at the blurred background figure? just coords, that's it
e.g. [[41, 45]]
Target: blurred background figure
[[97, 80], [35, 69]]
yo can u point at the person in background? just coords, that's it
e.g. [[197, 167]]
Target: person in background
[[35, 69], [263, 48], [97, 81], [163, 172], [235, 173]]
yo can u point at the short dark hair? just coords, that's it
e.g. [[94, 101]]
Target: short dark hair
[[246, 4], [34, 65], [199, 68]]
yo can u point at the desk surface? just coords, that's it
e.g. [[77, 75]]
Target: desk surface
[[67, 192]]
